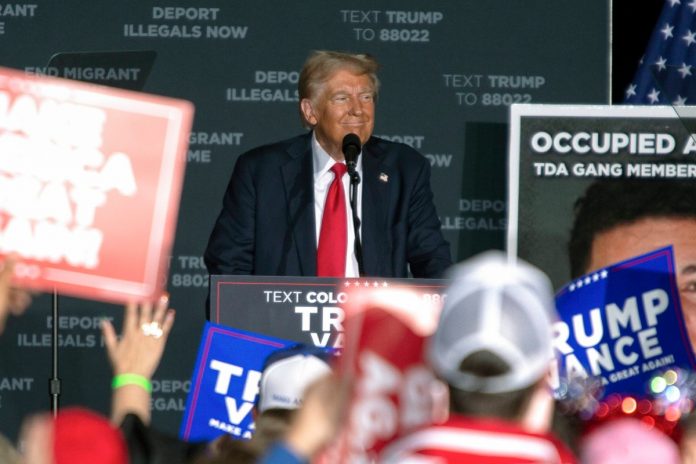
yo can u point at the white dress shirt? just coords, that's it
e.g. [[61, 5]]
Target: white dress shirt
[[322, 180]]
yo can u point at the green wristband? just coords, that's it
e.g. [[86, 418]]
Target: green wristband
[[121, 380]]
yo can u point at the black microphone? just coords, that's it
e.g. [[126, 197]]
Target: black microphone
[[351, 150]]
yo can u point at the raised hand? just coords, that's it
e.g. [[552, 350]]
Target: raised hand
[[135, 356]]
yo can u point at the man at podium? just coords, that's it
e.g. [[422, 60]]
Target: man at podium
[[287, 209]]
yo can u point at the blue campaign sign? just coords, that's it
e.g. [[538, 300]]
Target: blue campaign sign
[[225, 382], [623, 324]]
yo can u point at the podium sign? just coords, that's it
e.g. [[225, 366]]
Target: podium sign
[[303, 309]]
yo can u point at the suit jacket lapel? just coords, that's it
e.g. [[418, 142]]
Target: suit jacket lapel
[[376, 238], [298, 180]]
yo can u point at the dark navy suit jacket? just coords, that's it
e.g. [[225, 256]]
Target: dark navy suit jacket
[[267, 223]]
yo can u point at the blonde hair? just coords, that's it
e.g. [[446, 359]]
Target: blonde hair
[[322, 64]]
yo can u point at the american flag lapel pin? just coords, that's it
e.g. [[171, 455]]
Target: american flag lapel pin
[[383, 177]]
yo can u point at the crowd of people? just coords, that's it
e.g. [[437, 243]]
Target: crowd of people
[[492, 348]]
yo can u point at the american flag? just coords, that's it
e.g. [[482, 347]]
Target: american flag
[[667, 71]]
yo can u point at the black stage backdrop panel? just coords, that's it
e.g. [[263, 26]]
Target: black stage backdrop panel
[[449, 71]]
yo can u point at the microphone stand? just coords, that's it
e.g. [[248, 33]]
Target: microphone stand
[[357, 245], [54, 381]]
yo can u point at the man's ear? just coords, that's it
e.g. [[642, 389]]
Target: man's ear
[[308, 111], [538, 415]]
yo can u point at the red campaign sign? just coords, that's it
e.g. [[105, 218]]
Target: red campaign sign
[[90, 181], [394, 390]]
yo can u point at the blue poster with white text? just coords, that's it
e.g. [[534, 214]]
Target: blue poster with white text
[[623, 324], [225, 382]]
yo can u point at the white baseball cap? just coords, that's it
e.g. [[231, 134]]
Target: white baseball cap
[[498, 305], [287, 375]]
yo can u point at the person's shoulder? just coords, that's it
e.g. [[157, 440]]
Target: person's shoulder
[[384, 146], [396, 153], [394, 150], [276, 152]]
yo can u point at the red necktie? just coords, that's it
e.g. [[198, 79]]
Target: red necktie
[[333, 236]]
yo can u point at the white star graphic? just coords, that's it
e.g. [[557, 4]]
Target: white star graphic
[[631, 90], [679, 101], [667, 30], [578, 284], [685, 69], [692, 5], [595, 277], [654, 96], [660, 63], [571, 287], [603, 274], [689, 37], [674, 2]]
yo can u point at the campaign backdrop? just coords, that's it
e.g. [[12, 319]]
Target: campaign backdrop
[[449, 71]]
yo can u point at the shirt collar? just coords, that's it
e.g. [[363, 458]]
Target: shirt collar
[[322, 161]]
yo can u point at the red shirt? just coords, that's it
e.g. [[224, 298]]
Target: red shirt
[[476, 440]]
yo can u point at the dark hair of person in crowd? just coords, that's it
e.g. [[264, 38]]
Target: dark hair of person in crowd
[[270, 427], [608, 203], [228, 450], [508, 405]]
